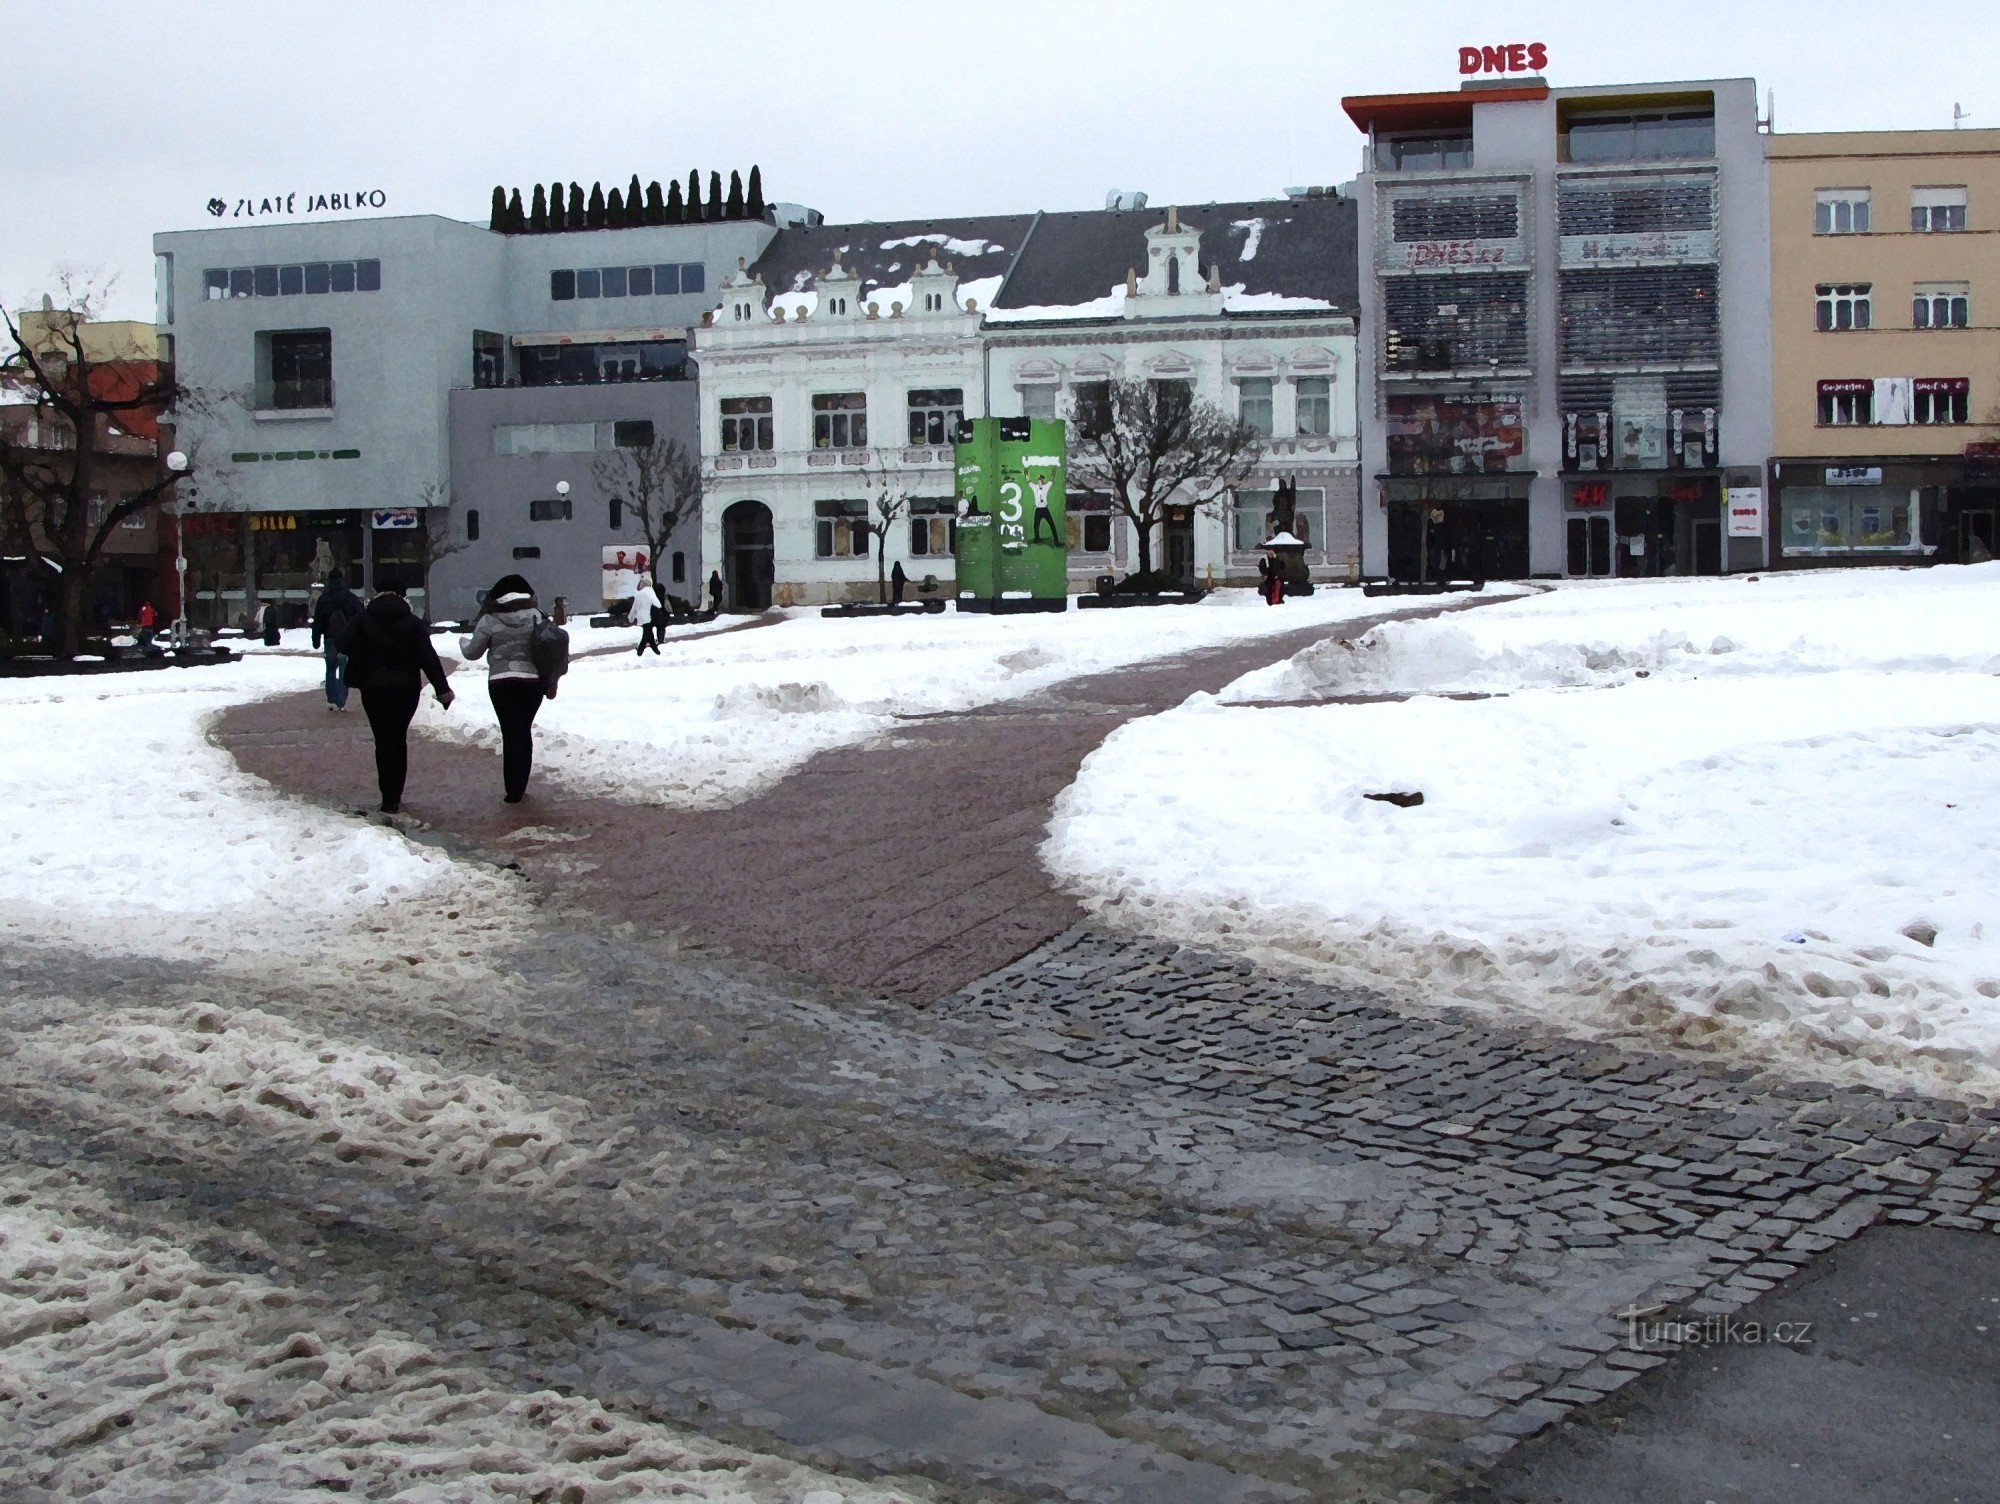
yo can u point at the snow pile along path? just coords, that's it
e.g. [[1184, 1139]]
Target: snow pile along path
[[124, 815], [713, 722], [1762, 815], [250, 1074], [137, 1371]]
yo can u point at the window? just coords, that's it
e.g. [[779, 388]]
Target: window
[[1937, 210], [746, 424], [589, 282], [1315, 406], [1942, 399], [632, 433], [933, 525], [1843, 305], [472, 524], [489, 359], [1427, 153], [549, 509], [840, 529], [614, 280], [1840, 211], [527, 553], [1844, 403], [616, 509], [693, 278], [1844, 519], [1172, 399], [667, 279], [1038, 400], [1250, 519], [840, 420], [562, 286], [301, 370], [935, 414], [1941, 305], [1091, 408], [1089, 519], [626, 281], [312, 277], [571, 438], [1645, 136], [680, 567], [1255, 403]]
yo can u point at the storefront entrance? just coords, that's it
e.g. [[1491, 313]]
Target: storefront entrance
[[1641, 527], [1975, 531], [748, 566], [1178, 532], [1442, 538]]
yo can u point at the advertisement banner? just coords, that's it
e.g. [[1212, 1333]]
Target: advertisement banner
[[1013, 527], [623, 569], [1746, 511]]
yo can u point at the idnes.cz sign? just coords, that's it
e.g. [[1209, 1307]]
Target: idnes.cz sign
[[1514, 57]]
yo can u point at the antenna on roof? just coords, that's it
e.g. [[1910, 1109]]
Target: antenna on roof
[[1959, 113]]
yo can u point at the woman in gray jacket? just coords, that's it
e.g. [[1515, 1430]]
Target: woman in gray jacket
[[500, 636]]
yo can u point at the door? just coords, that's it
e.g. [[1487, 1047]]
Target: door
[[747, 564], [1589, 546], [1180, 544], [1707, 545], [1975, 535]]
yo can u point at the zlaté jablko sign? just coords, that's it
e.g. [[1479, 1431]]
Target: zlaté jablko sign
[[1514, 57]]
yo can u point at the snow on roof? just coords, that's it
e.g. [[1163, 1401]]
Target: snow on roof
[[1253, 232], [949, 243], [1110, 306]]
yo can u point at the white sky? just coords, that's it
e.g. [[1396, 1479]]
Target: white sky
[[125, 118]]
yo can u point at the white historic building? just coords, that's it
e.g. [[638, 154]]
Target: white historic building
[[837, 365]]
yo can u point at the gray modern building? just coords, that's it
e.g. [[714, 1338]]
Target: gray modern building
[[399, 396], [1566, 310]]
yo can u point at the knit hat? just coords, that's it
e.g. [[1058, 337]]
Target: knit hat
[[509, 591]]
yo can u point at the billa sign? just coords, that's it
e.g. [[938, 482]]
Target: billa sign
[[1511, 57], [1012, 552]]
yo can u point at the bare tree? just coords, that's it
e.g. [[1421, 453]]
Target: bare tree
[[438, 536], [73, 406], [1149, 445], [660, 484], [888, 503]]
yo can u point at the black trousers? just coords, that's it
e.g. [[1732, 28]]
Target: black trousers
[[389, 711], [649, 637], [515, 702]]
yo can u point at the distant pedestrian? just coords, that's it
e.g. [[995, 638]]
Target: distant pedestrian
[[149, 622], [503, 637], [715, 590], [647, 611], [897, 581], [270, 624], [1272, 575], [388, 654], [335, 609]]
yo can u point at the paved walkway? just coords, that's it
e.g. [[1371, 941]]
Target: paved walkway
[[904, 868]]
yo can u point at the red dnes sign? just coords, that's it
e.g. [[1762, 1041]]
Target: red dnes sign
[[1515, 57]]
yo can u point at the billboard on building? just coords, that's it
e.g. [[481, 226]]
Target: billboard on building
[[623, 569]]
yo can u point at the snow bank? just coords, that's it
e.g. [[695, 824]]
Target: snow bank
[[134, 1369], [320, 1098], [711, 722], [124, 811], [1707, 811]]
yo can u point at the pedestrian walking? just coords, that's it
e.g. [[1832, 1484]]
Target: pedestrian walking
[[333, 612], [1272, 577], [897, 581], [270, 624], [149, 622], [650, 614], [387, 653], [715, 590], [503, 636]]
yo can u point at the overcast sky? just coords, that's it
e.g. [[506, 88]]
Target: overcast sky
[[126, 118]]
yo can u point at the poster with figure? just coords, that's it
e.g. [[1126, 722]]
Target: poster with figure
[[623, 569], [1013, 550]]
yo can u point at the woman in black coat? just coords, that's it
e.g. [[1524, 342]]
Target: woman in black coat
[[389, 655]]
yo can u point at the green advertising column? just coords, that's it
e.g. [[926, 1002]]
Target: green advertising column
[[1013, 540]]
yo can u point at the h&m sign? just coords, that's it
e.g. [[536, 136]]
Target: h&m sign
[[1513, 57]]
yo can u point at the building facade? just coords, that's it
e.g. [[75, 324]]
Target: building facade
[[838, 365], [1567, 293], [1885, 341], [341, 365]]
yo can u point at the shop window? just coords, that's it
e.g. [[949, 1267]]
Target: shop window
[[933, 526], [1841, 211], [1942, 400], [840, 529], [746, 424], [1844, 404], [549, 509], [1254, 403], [1315, 401], [840, 420], [472, 524], [1843, 305], [1937, 210], [1844, 519], [1941, 305], [935, 413]]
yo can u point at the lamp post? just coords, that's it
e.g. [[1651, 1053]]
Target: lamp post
[[177, 463]]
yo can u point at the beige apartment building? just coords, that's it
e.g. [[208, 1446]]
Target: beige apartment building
[[1885, 346]]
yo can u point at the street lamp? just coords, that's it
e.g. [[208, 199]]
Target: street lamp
[[177, 463]]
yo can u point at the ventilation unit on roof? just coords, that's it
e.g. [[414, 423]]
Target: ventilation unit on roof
[[1314, 192], [1124, 198]]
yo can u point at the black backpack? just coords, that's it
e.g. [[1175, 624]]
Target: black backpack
[[548, 646]]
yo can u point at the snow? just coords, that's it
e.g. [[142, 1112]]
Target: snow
[[885, 298], [790, 303], [1236, 300], [711, 722], [949, 243], [1713, 812], [123, 812], [1111, 305], [1253, 234], [980, 291]]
